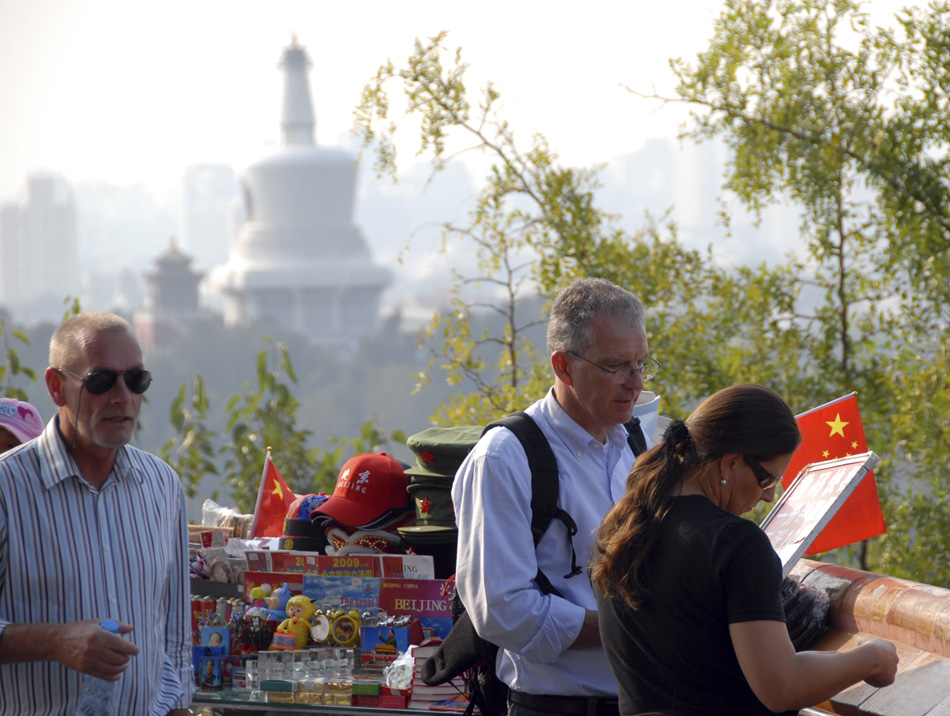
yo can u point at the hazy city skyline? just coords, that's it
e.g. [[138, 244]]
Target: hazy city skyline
[[133, 92], [125, 101]]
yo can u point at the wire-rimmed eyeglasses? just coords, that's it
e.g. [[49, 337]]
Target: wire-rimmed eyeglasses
[[623, 373]]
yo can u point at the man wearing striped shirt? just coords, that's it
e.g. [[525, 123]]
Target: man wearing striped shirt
[[92, 529]]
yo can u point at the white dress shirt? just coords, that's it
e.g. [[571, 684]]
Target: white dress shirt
[[497, 560]]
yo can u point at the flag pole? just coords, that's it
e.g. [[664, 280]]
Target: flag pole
[[828, 404], [260, 494]]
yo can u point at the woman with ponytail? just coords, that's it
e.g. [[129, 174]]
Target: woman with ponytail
[[689, 592]]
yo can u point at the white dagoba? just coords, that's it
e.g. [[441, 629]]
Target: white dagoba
[[299, 260]]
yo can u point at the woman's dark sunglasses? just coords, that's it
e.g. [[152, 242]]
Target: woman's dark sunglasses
[[102, 381], [766, 479]]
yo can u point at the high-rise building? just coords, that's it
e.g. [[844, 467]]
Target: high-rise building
[[299, 260], [10, 254], [209, 192], [38, 248]]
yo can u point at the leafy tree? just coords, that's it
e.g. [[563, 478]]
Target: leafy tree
[[534, 227], [12, 366], [265, 416], [810, 117], [818, 106], [262, 416], [192, 452]]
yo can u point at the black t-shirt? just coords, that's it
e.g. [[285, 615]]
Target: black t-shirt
[[708, 569]]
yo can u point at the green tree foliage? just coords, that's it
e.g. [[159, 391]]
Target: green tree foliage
[[809, 99], [529, 205], [12, 366], [191, 453], [265, 417], [534, 227], [262, 416], [818, 106]]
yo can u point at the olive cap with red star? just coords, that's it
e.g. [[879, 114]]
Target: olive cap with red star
[[440, 451]]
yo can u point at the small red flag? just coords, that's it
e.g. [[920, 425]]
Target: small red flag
[[831, 431], [273, 501]]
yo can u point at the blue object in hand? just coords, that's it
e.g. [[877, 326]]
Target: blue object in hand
[[97, 696]]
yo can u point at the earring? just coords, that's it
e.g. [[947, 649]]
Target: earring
[[724, 480]]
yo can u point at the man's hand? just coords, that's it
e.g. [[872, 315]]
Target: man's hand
[[87, 647]]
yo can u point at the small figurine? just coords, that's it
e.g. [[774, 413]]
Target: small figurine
[[276, 610], [258, 595], [299, 611]]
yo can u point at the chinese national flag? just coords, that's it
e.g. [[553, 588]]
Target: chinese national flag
[[273, 501], [831, 431]]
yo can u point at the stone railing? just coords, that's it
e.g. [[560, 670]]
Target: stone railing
[[916, 617]]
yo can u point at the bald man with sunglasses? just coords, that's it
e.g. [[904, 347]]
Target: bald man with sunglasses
[[91, 529]]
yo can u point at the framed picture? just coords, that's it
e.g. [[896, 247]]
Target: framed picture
[[810, 502], [209, 672], [216, 636], [229, 664]]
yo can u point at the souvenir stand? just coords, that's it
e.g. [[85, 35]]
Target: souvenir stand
[[334, 612]]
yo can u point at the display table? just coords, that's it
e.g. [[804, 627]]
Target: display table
[[214, 703]]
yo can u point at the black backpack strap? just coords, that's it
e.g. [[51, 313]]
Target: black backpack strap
[[635, 437], [544, 487]]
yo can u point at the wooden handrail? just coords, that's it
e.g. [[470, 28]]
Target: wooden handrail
[[897, 609]]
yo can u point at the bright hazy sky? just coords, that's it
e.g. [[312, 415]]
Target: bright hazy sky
[[128, 91], [131, 91]]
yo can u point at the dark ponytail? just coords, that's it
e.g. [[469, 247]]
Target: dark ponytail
[[748, 419]]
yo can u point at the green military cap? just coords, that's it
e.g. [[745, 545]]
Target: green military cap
[[429, 534], [440, 451], [433, 501], [435, 516]]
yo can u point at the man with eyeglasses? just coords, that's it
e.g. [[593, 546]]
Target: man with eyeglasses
[[93, 529], [550, 653]]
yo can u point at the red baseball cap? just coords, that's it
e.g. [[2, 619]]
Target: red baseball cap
[[368, 485]]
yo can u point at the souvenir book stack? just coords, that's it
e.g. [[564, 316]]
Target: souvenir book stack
[[449, 696]]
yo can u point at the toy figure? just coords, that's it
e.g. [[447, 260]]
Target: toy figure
[[299, 611], [258, 595], [276, 609]]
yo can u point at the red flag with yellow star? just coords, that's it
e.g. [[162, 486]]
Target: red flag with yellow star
[[273, 501], [831, 431]]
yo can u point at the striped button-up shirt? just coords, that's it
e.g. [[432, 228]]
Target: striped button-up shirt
[[70, 552]]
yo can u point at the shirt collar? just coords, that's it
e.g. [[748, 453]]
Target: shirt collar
[[57, 464], [574, 436]]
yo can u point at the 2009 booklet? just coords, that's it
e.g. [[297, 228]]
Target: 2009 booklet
[[810, 502]]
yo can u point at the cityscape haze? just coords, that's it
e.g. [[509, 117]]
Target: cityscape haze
[[137, 121]]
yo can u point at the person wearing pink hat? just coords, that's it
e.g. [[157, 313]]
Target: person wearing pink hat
[[20, 422]]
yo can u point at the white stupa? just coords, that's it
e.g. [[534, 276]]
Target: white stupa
[[299, 260]]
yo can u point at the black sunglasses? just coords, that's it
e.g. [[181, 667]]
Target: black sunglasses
[[102, 381], [766, 479]]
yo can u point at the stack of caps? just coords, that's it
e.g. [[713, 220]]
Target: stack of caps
[[370, 494], [439, 454], [300, 533]]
